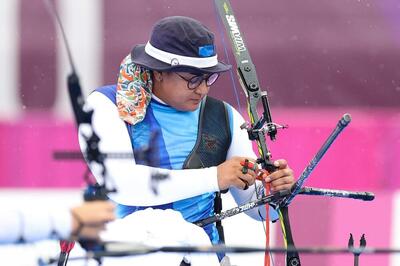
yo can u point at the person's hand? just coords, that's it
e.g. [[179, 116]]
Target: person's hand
[[282, 178], [89, 218], [230, 174]]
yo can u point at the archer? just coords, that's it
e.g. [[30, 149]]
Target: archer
[[162, 91]]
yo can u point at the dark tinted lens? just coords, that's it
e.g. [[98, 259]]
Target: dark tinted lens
[[212, 79], [195, 82]]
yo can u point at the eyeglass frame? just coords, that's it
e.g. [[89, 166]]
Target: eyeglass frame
[[203, 78]]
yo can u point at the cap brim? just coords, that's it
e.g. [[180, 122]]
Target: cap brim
[[140, 57]]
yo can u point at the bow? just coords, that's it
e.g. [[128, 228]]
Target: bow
[[259, 127], [94, 191]]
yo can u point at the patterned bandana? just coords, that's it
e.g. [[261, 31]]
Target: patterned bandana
[[133, 91]]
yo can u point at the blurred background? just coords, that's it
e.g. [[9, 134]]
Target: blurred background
[[317, 59]]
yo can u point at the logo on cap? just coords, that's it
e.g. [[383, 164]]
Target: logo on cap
[[174, 61], [206, 50]]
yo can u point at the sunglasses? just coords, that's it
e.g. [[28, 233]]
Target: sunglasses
[[194, 82]]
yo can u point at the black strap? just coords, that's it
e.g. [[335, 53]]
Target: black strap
[[217, 210]]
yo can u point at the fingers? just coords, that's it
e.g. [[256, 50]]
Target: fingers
[[281, 179], [109, 211], [242, 172], [246, 184], [89, 218], [233, 172], [281, 184], [103, 205], [245, 181], [101, 211], [248, 164], [91, 232], [281, 163], [248, 172], [94, 212]]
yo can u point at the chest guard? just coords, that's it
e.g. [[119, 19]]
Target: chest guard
[[213, 138]]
